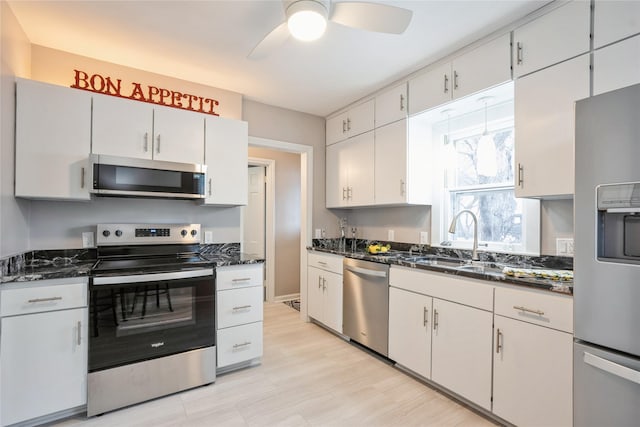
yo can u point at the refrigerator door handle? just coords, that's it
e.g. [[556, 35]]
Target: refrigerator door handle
[[612, 368]]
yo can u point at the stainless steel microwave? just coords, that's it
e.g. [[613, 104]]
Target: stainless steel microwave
[[129, 177]]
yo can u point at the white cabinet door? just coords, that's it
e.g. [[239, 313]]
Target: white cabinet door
[[617, 66], [226, 157], [43, 364], [430, 89], [391, 105], [544, 128], [335, 174], [532, 383], [332, 310], [315, 293], [559, 35], [461, 350], [410, 330], [391, 163], [53, 137], [615, 20], [360, 169], [361, 118], [122, 127], [337, 129], [178, 135], [484, 67]]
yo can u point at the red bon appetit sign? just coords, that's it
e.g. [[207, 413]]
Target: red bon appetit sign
[[145, 93]]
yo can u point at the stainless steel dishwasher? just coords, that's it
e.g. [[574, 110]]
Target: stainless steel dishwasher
[[366, 304]]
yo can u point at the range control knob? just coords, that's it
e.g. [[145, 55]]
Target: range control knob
[[183, 233], [118, 233], [194, 232], [106, 233]]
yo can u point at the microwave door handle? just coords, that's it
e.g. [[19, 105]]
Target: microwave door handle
[[612, 368]]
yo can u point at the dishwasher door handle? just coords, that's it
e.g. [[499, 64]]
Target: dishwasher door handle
[[366, 271]]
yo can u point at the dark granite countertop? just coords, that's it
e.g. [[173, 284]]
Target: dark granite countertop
[[490, 270], [60, 264]]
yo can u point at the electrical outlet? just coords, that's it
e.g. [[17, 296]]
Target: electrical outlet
[[564, 246], [87, 239], [208, 236], [318, 233], [391, 235], [424, 237]]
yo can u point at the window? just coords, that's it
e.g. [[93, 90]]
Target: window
[[473, 141]]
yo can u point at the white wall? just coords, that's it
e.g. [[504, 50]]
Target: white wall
[[15, 53]]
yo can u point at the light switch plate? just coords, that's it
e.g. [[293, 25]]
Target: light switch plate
[[391, 235], [424, 237], [564, 246], [318, 233], [88, 240], [208, 236]]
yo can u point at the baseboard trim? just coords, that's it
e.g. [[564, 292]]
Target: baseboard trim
[[283, 298]]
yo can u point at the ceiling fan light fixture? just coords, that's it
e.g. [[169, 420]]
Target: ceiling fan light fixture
[[307, 19]]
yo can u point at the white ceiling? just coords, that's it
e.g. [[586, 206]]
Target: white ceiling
[[207, 42]]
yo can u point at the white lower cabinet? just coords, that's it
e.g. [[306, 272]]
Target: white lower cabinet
[[410, 330], [532, 366], [461, 350], [239, 314], [43, 349], [325, 297]]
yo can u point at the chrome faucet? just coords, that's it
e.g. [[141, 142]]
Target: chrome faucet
[[452, 230], [353, 239]]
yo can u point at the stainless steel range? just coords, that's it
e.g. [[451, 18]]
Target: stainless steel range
[[151, 316]]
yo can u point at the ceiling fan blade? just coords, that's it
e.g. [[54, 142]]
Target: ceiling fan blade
[[270, 42], [376, 17]]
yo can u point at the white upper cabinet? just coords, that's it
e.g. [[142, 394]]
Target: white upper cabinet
[[544, 128], [122, 127], [559, 35], [401, 165], [226, 155], [391, 105], [617, 65], [53, 137], [126, 128], [178, 135], [353, 122], [615, 20], [430, 89], [350, 172], [483, 67]]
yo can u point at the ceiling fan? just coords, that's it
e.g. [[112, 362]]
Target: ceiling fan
[[307, 20]]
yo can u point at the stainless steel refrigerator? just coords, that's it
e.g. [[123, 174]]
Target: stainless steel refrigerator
[[607, 260]]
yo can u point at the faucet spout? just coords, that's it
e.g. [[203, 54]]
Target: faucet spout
[[452, 230]]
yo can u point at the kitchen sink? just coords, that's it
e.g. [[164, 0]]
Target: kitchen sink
[[453, 263]]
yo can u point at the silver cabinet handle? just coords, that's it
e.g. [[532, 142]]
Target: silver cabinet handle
[[612, 368], [403, 187], [79, 333], [210, 185], [498, 341], [519, 53], [425, 315], [158, 144], [324, 284], [520, 175], [244, 344], [349, 193], [82, 175], [344, 126], [435, 319], [455, 80], [146, 142], [32, 301], [529, 310], [348, 124], [322, 263], [401, 102], [244, 279], [344, 193], [241, 307], [446, 83], [319, 282]]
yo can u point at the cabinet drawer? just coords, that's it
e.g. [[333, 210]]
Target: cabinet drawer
[[239, 306], [474, 293], [239, 344], [541, 308], [326, 262], [238, 276], [36, 298]]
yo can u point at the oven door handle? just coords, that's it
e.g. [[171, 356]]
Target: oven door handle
[[154, 277]]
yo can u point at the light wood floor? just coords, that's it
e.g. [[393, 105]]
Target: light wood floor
[[308, 377]]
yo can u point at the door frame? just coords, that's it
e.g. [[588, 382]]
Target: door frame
[[269, 224], [306, 203]]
